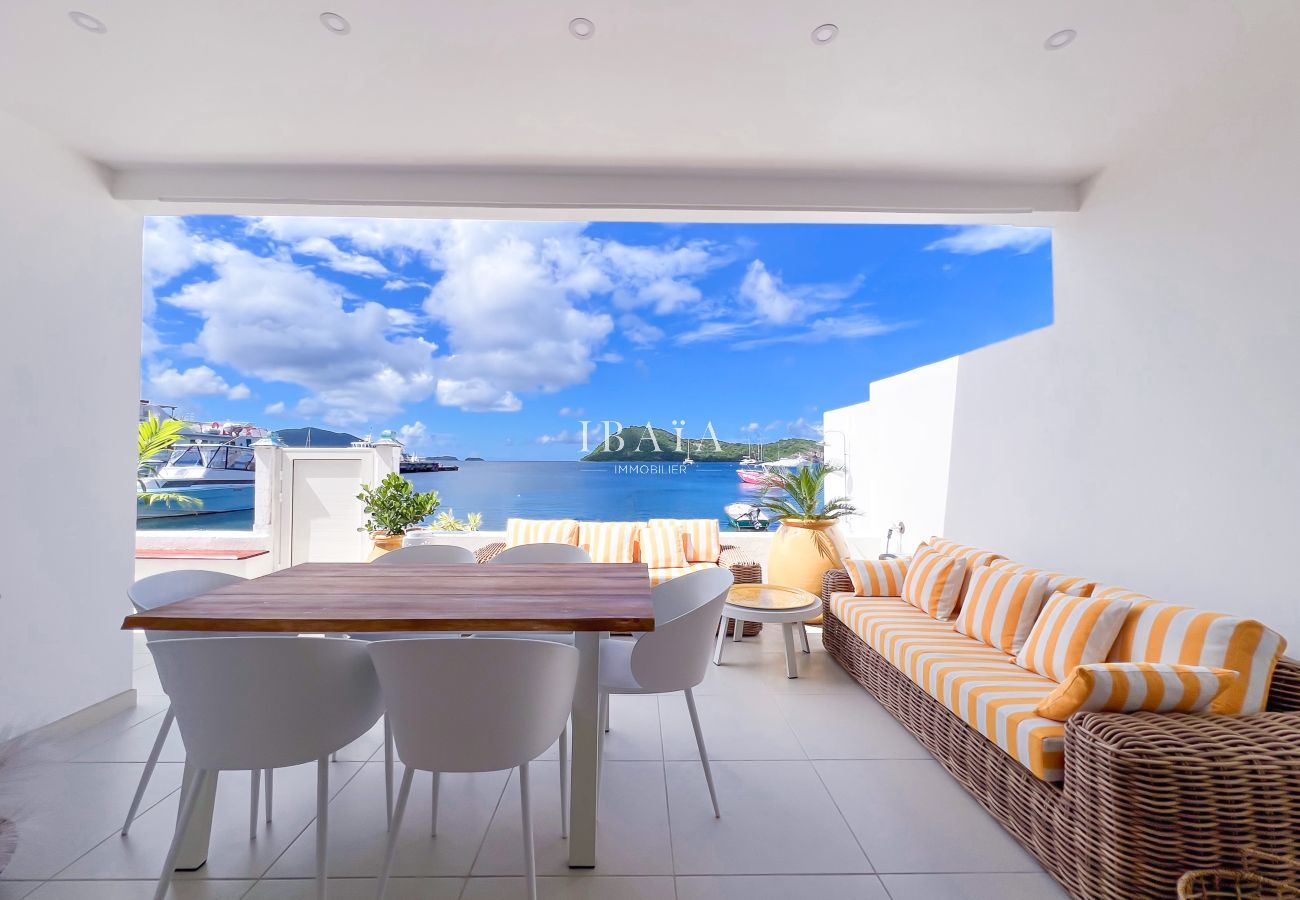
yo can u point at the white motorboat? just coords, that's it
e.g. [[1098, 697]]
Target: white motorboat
[[747, 516], [217, 476]]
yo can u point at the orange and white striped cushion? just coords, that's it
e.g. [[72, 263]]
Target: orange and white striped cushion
[[541, 531], [1162, 632], [659, 576], [661, 546], [974, 556], [1111, 592], [702, 537], [876, 577], [609, 542], [1133, 687], [933, 581], [975, 681], [1072, 631], [1001, 607], [1056, 582]]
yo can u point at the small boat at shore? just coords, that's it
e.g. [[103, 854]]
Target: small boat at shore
[[217, 477], [747, 516]]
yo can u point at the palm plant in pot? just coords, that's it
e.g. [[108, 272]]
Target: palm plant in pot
[[392, 507], [804, 548]]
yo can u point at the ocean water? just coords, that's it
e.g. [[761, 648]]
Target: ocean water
[[605, 492]]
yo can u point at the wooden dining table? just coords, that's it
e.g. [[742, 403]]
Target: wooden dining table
[[588, 599]]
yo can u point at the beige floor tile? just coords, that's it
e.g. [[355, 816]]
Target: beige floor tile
[[735, 726], [140, 890], [633, 824], [911, 816], [17, 890], [634, 728], [847, 726], [780, 887], [577, 887], [982, 886], [134, 744], [357, 889], [776, 818]]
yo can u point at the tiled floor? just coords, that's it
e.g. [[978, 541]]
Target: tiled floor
[[823, 796]]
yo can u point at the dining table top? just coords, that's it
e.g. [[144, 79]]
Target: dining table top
[[357, 597]]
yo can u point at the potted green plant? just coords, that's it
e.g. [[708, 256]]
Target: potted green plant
[[391, 508], [803, 548]]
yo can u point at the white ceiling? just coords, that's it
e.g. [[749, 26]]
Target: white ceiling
[[958, 89]]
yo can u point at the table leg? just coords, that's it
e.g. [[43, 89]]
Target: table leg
[[803, 637], [584, 785], [194, 847], [791, 669], [722, 639]]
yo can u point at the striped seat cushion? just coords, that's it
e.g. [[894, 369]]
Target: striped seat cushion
[[702, 540], [1056, 582], [661, 546], [933, 582], [541, 531], [876, 577], [1134, 686], [659, 576], [1162, 632], [976, 682], [1072, 631], [609, 542], [1001, 607]]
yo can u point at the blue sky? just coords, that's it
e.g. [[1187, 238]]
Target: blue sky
[[495, 339]]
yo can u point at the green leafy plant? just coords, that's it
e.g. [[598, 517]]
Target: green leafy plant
[[803, 489], [394, 505], [445, 521], [153, 438]]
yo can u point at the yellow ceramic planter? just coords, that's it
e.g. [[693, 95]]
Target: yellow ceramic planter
[[802, 551], [383, 544]]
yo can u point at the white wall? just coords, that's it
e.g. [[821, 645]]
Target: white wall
[[895, 449], [69, 359], [1151, 436]]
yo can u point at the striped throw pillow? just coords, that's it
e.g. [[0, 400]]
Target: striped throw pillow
[[1134, 687], [661, 546], [702, 537], [1111, 592], [1071, 631], [933, 581], [1001, 607], [876, 577], [609, 542], [541, 531], [1056, 582], [1163, 632], [974, 556]]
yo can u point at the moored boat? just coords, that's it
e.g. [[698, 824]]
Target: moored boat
[[747, 516]]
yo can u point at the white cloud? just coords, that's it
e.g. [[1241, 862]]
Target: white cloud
[[778, 303], [340, 260], [830, 328], [610, 357], [750, 428], [414, 436], [974, 239], [239, 392], [198, 381], [639, 331], [476, 395], [275, 409], [168, 251], [572, 411], [709, 331], [564, 436]]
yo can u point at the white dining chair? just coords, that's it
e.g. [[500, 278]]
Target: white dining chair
[[541, 553], [503, 703], [159, 590], [265, 703], [675, 656], [422, 554]]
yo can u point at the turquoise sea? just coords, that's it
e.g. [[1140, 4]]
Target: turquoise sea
[[608, 492]]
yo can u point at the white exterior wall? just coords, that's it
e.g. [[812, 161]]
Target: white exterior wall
[[1150, 436], [69, 339], [895, 449]]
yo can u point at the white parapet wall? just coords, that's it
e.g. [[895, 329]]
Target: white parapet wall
[[896, 450]]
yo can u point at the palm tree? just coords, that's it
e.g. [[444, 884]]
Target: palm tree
[[803, 488], [154, 437]]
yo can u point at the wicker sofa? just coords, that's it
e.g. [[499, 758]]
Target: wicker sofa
[[1145, 796]]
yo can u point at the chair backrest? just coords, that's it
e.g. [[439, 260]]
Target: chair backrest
[[542, 553], [475, 706], [267, 702], [169, 587], [425, 555], [675, 655]]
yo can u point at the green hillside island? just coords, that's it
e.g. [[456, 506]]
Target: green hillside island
[[638, 447]]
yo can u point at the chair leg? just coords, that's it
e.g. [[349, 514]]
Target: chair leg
[[334, 757], [722, 639], [604, 716], [388, 770], [255, 783], [704, 754], [525, 802], [433, 816], [737, 627], [322, 826], [188, 804], [398, 811], [270, 782], [564, 781], [149, 766]]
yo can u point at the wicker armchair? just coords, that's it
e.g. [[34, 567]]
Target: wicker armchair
[[1146, 796]]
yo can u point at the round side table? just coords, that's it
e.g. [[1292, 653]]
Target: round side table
[[772, 603]]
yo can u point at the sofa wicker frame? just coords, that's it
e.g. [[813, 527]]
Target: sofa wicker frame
[[1146, 796], [743, 570]]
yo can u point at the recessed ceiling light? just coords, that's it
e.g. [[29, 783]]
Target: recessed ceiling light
[[824, 34], [88, 22], [335, 23], [1061, 39], [581, 28]]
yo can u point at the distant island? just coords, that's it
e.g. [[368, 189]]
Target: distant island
[[638, 447], [473, 459], [315, 437]]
